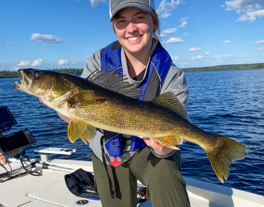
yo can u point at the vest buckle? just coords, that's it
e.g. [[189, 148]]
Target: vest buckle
[[115, 162]]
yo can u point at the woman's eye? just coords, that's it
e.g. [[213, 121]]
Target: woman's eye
[[121, 21]]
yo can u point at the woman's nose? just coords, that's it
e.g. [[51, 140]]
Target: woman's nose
[[131, 27]]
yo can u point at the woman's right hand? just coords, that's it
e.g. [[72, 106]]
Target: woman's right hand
[[43, 102], [64, 118]]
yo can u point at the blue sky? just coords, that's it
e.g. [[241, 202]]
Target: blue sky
[[48, 34]]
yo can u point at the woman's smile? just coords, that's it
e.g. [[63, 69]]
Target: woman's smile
[[134, 30]]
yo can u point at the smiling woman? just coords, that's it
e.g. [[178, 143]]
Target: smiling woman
[[120, 159]]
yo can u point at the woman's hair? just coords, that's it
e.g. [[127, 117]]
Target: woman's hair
[[155, 20], [156, 32]]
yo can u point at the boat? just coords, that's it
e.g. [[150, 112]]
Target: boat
[[50, 190], [27, 182]]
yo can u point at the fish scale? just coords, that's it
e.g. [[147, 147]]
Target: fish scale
[[93, 103]]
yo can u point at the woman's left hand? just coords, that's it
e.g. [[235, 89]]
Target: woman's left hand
[[157, 147]]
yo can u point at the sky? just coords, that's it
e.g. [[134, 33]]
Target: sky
[[47, 34]]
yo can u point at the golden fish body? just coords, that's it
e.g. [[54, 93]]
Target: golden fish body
[[99, 103]]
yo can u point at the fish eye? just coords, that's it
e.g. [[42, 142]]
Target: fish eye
[[35, 74]]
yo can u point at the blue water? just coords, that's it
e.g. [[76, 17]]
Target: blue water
[[230, 103]]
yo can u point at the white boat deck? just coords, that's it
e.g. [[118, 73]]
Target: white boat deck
[[49, 190]]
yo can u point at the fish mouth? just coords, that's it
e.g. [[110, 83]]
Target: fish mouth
[[25, 81]]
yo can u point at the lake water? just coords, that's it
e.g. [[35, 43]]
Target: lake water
[[230, 103]]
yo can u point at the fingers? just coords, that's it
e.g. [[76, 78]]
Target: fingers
[[157, 147], [40, 100], [43, 102]]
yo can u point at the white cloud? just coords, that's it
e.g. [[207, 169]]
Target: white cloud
[[251, 16], [260, 49], [163, 35], [207, 53], [9, 43], [250, 9], [169, 31], [61, 62], [165, 8], [30, 62], [194, 49], [183, 21], [94, 3], [229, 48], [37, 62], [197, 58], [259, 42], [173, 40], [46, 38], [24, 63], [186, 34], [226, 41]]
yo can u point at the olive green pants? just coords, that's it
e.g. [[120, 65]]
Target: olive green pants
[[162, 177]]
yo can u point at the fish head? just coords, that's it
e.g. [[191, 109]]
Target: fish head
[[47, 85]]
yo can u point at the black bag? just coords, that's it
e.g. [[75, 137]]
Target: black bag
[[81, 183]]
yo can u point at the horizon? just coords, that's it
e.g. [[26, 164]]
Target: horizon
[[48, 34]]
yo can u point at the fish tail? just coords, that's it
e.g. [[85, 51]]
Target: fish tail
[[223, 154]]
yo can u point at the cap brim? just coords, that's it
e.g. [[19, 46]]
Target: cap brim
[[144, 7]]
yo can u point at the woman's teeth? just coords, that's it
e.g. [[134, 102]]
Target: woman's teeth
[[133, 38]]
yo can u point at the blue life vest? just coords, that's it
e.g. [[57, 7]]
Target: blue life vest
[[157, 71]]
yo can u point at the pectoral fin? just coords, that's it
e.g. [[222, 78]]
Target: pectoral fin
[[79, 129], [88, 134]]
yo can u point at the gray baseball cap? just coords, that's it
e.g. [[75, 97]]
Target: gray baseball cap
[[117, 5]]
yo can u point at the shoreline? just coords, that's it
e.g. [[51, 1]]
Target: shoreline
[[226, 67], [78, 71]]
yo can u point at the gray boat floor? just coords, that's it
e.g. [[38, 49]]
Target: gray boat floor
[[49, 190]]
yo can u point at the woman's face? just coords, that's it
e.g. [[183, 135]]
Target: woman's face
[[134, 30]]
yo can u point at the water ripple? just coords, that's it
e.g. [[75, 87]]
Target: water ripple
[[223, 102]]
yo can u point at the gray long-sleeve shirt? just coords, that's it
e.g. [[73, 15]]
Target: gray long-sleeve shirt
[[174, 82]]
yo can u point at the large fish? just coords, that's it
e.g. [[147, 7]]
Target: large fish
[[105, 101]]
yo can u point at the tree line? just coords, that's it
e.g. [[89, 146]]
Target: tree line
[[78, 71], [14, 74], [227, 67]]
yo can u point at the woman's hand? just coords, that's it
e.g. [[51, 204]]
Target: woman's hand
[[64, 118], [157, 147], [43, 102]]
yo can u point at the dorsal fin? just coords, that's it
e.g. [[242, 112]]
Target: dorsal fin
[[170, 101], [112, 81]]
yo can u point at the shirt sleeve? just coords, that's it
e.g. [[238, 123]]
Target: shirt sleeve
[[175, 82], [92, 64]]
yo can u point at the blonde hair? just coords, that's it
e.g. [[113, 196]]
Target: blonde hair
[[155, 19], [156, 29]]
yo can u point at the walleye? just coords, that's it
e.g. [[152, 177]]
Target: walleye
[[105, 101]]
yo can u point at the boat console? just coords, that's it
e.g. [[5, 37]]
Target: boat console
[[13, 144]]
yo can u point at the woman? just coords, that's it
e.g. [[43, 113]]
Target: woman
[[119, 160]]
